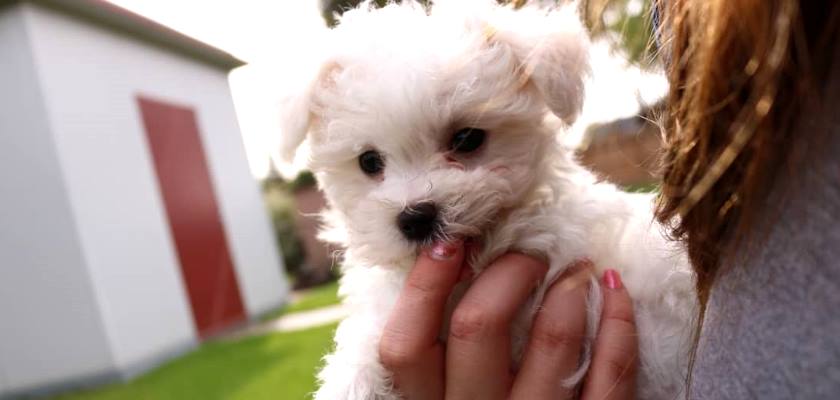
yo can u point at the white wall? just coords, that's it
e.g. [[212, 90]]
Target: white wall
[[91, 77], [248, 227], [51, 328]]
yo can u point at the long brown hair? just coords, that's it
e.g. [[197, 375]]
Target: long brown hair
[[739, 71]]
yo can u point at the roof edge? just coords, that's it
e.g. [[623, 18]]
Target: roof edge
[[121, 20]]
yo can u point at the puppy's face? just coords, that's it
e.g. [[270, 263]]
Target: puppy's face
[[430, 131]]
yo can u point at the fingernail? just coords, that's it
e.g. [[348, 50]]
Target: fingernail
[[611, 279], [443, 251]]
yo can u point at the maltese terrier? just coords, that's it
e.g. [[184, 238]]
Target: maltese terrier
[[437, 125]]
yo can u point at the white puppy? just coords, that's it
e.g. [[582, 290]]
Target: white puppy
[[433, 125]]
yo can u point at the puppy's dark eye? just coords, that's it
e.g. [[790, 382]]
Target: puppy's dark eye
[[371, 162], [467, 140]]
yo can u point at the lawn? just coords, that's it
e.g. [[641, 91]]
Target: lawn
[[310, 299], [317, 297], [276, 366]]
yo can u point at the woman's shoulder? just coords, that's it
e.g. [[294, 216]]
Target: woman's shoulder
[[773, 316]]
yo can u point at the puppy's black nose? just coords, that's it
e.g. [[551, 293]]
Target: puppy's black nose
[[418, 222]]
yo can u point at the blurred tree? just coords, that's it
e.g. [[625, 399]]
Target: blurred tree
[[331, 8], [282, 208], [625, 22], [304, 179]]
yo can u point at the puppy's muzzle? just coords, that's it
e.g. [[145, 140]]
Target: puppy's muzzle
[[418, 222]]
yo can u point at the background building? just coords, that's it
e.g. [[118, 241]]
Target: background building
[[625, 151], [130, 226]]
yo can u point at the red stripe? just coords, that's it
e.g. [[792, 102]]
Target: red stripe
[[193, 214]]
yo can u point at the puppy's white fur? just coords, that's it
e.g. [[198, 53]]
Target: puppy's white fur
[[401, 80]]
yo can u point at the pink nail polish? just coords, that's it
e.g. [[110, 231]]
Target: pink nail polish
[[443, 251], [611, 279]]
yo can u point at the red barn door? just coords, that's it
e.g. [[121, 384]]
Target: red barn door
[[194, 220]]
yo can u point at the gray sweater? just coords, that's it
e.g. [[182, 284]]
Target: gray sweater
[[772, 329]]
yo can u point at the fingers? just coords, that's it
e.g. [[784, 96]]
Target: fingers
[[409, 348], [612, 375], [478, 352], [556, 339]]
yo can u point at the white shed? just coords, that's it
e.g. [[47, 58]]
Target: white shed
[[130, 226]]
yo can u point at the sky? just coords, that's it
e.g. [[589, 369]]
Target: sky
[[273, 35], [267, 34]]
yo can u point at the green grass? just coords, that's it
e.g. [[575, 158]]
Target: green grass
[[643, 188], [277, 366], [317, 297], [310, 299]]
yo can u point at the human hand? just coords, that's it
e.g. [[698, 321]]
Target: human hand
[[475, 361]]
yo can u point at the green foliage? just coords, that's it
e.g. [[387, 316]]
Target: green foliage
[[282, 208], [279, 198], [273, 366], [631, 26], [331, 8], [304, 179], [628, 20]]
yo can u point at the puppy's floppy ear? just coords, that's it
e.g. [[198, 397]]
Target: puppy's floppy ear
[[295, 119], [298, 111], [552, 48]]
